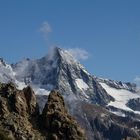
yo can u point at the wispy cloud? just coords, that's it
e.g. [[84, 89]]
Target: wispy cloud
[[78, 53], [45, 29], [137, 80]]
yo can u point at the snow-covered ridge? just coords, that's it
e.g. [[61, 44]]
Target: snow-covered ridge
[[81, 84], [66, 56], [121, 96], [118, 84]]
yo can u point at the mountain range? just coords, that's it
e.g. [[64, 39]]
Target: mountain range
[[106, 109]]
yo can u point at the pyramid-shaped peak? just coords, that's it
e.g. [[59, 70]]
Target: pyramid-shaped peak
[[59, 51], [64, 55]]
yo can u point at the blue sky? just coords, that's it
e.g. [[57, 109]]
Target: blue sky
[[109, 30]]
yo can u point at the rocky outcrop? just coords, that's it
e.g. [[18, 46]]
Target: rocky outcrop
[[134, 104], [19, 112], [20, 118], [59, 124]]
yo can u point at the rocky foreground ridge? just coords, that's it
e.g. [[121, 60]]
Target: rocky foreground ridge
[[20, 118]]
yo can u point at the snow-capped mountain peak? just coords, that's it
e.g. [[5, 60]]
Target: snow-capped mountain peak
[[66, 56], [60, 70]]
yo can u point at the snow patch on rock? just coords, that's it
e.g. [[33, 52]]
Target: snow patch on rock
[[81, 84], [121, 97]]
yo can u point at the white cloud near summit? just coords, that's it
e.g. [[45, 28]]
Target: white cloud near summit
[[45, 29], [78, 53], [137, 80]]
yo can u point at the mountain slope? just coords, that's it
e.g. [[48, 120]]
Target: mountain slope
[[100, 124], [62, 72]]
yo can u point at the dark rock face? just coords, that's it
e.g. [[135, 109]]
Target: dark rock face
[[134, 104], [59, 124], [100, 124], [13, 100], [20, 118]]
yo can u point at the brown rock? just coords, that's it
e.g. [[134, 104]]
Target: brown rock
[[20, 118], [58, 122], [31, 100], [19, 113]]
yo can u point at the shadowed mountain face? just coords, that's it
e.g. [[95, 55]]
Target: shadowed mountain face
[[20, 118], [100, 124]]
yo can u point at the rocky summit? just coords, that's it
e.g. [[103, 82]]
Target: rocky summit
[[20, 118]]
